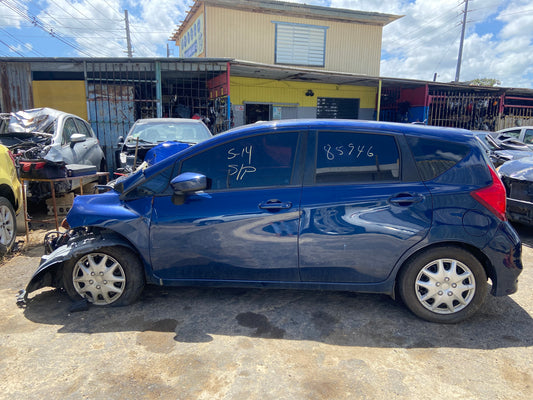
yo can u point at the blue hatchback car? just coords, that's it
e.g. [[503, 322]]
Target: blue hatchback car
[[411, 211]]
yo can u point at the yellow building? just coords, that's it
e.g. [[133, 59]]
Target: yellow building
[[293, 36]]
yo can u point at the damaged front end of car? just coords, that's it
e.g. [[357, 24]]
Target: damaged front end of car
[[62, 247], [93, 224], [28, 135]]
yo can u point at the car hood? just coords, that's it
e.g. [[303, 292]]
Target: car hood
[[164, 150], [35, 120], [521, 169], [29, 126]]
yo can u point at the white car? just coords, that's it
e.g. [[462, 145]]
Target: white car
[[522, 133]]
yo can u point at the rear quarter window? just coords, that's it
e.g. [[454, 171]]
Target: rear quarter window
[[435, 157]]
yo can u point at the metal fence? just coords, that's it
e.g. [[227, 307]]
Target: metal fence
[[120, 93]]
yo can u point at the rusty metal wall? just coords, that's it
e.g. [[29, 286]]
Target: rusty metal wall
[[15, 86], [117, 95]]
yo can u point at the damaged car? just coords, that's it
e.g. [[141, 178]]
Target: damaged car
[[501, 148], [45, 142], [517, 176], [411, 211], [169, 135]]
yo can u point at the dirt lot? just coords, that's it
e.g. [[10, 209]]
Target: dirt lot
[[187, 343]]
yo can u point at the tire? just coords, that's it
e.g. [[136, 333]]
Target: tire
[[107, 276], [8, 226], [444, 285]]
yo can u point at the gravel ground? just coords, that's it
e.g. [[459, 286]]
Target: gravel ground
[[188, 343]]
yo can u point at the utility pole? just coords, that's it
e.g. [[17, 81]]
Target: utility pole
[[460, 57], [128, 39]]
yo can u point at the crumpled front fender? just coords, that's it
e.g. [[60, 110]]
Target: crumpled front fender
[[50, 268]]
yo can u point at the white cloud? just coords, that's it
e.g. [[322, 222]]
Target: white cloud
[[11, 18], [97, 27], [426, 40]]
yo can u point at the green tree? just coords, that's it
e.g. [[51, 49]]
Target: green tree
[[484, 82]]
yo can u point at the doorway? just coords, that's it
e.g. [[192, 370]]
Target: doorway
[[257, 112]]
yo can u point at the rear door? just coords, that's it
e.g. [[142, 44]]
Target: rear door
[[362, 207]]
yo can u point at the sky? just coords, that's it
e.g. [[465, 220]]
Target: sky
[[425, 41]]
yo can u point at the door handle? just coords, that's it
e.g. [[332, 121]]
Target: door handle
[[406, 199], [275, 205]]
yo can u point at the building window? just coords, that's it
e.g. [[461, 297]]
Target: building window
[[300, 44], [337, 108]]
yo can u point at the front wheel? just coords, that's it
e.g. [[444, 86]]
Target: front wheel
[[107, 276], [445, 285], [8, 225]]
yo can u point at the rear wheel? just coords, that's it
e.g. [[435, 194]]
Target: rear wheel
[[8, 225], [107, 276], [445, 285]]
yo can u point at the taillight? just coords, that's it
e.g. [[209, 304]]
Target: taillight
[[493, 196]]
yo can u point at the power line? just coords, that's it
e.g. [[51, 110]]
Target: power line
[[11, 48], [79, 37], [21, 42], [422, 29], [16, 7]]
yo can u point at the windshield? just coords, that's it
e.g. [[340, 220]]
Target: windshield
[[158, 132]]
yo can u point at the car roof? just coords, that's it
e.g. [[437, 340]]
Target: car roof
[[462, 135]]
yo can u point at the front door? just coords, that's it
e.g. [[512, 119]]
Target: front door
[[244, 226]]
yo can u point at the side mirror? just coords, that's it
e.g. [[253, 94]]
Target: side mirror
[[185, 183], [120, 141], [188, 182], [77, 138]]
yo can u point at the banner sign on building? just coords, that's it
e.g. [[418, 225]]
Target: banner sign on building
[[192, 42]]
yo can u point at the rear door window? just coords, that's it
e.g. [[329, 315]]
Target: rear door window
[[352, 157]]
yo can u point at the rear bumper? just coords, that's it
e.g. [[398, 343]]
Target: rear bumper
[[505, 253]]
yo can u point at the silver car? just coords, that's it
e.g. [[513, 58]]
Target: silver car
[[177, 133], [45, 141]]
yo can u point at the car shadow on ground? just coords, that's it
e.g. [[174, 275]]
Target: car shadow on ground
[[194, 315]]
